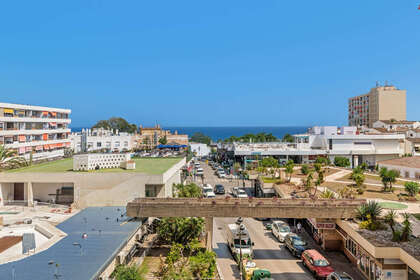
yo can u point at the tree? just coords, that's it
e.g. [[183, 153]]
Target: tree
[[163, 140], [116, 123], [9, 159], [289, 169], [123, 272], [407, 227], [307, 183], [180, 230], [288, 138], [203, 265], [323, 160], [388, 177], [199, 137], [189, 190], [304, 169], [260, 137], [341, 162], [390, 220], [412, 188], [320, 172]]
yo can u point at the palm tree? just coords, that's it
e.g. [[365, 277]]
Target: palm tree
[[308, 181], [371, 208], [9, 159], [407, 227], [390, 220], [320, 172], [289, 169], [388, 177]]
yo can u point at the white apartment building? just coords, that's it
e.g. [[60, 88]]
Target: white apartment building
[[42, 132], [100, 139], [327, 142]]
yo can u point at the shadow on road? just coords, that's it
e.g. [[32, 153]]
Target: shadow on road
[[222, 251], [290, 276]]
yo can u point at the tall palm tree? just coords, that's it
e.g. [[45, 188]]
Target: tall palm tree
[[9, 159], [390, 220]]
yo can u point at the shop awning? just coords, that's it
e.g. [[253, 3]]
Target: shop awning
[[171, 146]]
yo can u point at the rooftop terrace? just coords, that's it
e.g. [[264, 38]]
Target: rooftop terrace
[[143, 165]]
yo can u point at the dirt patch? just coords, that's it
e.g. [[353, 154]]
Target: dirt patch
[[9, 241]]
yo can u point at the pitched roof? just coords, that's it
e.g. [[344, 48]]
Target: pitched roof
[[397, 122]]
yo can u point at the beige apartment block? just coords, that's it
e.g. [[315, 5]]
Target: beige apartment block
[[381, 103]]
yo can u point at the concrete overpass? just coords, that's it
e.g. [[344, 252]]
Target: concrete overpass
[[324, 209]]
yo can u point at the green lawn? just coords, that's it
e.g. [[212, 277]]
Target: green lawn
[[143, 165], [393, 205], [271, 180]]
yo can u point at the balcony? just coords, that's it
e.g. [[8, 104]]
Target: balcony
[[34, 119], [15, 131]]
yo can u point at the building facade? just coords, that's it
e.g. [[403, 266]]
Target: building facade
[[33, 131], [89, 140], [328, 142], [381, 103], [86, 162], [149, 137]]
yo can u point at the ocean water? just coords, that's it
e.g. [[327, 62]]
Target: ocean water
[[217, 133]]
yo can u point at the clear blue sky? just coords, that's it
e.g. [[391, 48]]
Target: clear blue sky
[[207, 63]]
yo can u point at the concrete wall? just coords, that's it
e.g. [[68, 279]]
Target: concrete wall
[[405, 172], [6, 192]]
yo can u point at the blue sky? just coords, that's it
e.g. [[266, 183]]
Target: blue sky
[[207, 63]]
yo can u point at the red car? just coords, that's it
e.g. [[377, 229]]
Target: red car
[[317, 264]]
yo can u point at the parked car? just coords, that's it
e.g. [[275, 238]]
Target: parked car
[[239, 193], [280, 230], [317, 264], [210, 194], [199, 171], [207, 188], [221, 174], [219, 189], [295, 244], [339, 276]]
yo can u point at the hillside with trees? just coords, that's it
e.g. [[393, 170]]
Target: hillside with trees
[[115, 123]]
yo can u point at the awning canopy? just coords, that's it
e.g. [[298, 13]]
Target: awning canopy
[[171, 146], [9, 111]]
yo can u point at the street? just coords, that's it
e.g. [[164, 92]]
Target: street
[[268, 252]]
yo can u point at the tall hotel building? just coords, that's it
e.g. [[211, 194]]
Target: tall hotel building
[[40, 131], [381, 103]]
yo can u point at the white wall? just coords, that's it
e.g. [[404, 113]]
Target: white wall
[[200, 149], [6, 192]]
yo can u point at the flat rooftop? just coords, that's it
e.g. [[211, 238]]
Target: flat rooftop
[[412, 162], [108, 230], [143, 165]]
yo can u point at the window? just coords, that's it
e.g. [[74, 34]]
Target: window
[[99, 144], [351, 246]]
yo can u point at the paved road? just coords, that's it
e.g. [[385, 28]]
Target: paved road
[[269, 253]]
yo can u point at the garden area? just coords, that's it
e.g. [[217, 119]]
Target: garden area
[[386, 228], [179, 251]]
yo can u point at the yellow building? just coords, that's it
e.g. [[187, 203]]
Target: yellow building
[[381, 103], [149, 137]]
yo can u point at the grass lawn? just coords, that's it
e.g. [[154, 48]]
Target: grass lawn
[[271, 180], [143, 165], [393, 205]]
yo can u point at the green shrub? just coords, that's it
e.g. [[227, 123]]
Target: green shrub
[[396, 236], [304, 169], [323, 160], [412, 188], [341, 162]]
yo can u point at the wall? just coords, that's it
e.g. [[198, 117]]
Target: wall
[[412, 172], [41, 191], [6, 192], [392, 104]]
